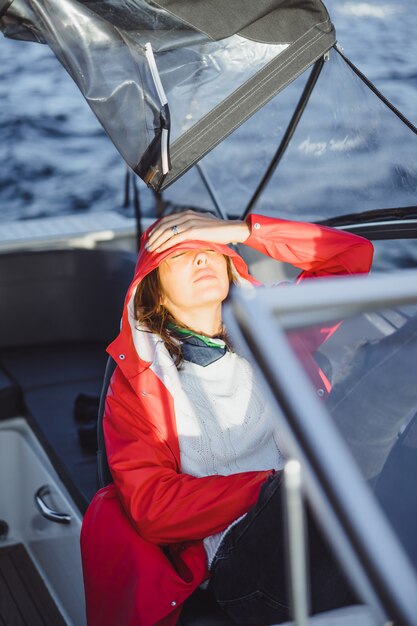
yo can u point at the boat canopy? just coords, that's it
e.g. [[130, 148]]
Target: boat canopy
[[171, 79]]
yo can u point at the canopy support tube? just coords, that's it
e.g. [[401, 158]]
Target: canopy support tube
[[305, 97], [130, 181], [220, 211]]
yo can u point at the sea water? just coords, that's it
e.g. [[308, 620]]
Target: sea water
[[56, 159]]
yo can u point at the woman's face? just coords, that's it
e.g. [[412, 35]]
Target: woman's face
[[193, 279]]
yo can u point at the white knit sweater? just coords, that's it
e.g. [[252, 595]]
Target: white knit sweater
[[229, 429]]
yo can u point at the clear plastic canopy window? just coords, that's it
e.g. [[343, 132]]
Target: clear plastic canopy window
[[350, 154], [192, 70]]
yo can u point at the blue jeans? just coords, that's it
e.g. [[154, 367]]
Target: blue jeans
[[249, 571]]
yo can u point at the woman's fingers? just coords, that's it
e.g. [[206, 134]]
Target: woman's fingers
[[170, 239], [171, 230], [179, 223], [179, 227], [171, 220]]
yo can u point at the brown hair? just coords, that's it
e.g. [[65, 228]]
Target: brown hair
[[156, 317]]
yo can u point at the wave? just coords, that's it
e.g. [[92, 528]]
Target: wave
[[366, 9]]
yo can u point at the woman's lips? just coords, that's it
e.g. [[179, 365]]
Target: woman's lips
[[204, 275]]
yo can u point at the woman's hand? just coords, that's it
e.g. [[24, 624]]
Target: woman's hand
[[179, 227]]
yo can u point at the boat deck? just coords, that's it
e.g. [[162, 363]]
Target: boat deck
[[24, 598]]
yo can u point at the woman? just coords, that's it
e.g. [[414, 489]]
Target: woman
[[193, 449]]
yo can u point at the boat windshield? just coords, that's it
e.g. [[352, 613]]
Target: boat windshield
[[369, 365]]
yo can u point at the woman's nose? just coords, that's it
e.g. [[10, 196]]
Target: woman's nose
[[200, 257]]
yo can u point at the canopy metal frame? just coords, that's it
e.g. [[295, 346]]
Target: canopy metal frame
[[292, 127]]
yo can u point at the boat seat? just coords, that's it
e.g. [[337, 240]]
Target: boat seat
[[104, 476]]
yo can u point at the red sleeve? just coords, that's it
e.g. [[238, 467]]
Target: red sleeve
[[165, 505], [317, 250]]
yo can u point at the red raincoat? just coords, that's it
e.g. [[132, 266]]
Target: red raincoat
[[141, 538]]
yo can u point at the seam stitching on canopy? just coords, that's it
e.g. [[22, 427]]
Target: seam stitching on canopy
[[275, 70], [258, 87]]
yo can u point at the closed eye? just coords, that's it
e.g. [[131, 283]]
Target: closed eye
[[176, 256]]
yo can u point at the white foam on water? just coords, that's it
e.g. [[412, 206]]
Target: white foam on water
[[366, 9]]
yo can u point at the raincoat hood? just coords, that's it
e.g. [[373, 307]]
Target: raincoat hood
[[134, 347], [148, 261]]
